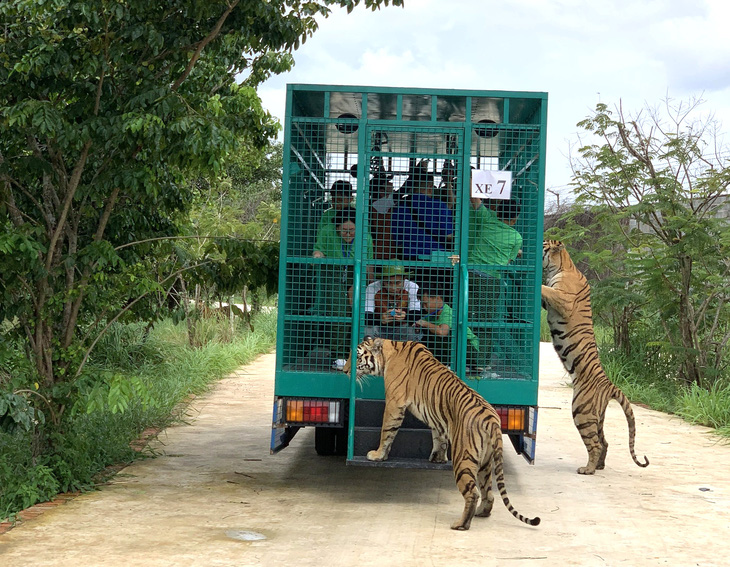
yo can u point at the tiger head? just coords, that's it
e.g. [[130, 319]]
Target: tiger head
[[369, 358], [553, 256]]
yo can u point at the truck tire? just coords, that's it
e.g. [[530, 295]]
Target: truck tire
[[330, 441]]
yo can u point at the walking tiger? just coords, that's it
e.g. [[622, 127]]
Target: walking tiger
[[415, 380], [566, 297]]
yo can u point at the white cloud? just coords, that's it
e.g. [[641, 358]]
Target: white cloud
[[577, 51]]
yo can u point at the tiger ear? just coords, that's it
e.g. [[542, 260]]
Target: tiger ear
[[559, 245], [377, 345]]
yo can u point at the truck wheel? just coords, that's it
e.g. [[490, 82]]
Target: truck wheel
[[330, 441]]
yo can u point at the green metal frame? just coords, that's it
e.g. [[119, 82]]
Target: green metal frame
[[521, 145]]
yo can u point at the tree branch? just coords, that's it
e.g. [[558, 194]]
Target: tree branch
[[211, 36], [72, 186], [73, 314], [127, 308]]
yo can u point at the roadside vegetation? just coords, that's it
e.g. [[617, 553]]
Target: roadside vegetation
[[649, 229], [139, 379]]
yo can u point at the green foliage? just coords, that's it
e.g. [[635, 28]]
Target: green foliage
[[17, 412], [244, 200], [644, 384], [709, 407], [648, 225], [648, 376], [36, 464], [107, 110], [545, 336]]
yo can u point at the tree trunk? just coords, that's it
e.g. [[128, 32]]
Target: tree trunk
[[690, 371]]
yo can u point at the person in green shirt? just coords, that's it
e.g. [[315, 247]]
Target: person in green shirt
[[493, 242], [334, 280], [341, 196], [436, 321]]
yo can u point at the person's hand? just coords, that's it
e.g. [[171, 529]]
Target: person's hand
[[392, 315], [421, 323], [317, 254]]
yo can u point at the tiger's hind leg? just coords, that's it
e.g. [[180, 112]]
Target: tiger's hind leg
[[604, 444], [440, 447], [587, 424], [465, 471], [485, 487]]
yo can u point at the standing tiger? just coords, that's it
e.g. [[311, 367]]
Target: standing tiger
[[415, 380], [566, 297]]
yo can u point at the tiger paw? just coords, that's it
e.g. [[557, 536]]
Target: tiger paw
[[586, 470], [374, 456], [459, 526], [438, 457]]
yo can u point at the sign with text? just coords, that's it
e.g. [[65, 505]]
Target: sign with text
[[491, 184]]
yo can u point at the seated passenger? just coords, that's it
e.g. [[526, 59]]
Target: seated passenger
[[493, 242], [334, 281], [436, 321], [341, 195], [392, 306]]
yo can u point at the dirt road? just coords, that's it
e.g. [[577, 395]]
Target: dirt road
[[215, 485]]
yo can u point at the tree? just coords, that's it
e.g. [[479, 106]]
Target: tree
[[107, 108], [659, 182], [234, 237]]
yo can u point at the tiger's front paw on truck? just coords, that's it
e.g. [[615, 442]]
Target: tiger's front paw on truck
[[375, 456]]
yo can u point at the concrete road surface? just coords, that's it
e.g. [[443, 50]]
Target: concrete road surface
[[215, 485]]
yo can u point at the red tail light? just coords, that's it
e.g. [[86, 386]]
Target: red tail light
[[313, 411]]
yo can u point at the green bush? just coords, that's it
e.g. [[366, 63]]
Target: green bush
[[23, 482], [707, 407], [161, 371], [648, 375]]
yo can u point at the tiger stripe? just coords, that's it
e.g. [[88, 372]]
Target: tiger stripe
[[417, 381], [566, 297]]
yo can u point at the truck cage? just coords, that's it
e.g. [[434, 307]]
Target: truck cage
[[358, 155]]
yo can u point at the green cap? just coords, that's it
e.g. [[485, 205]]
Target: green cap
[[390, 271]]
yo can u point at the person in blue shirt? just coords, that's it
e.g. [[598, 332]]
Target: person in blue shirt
[[421, 223]]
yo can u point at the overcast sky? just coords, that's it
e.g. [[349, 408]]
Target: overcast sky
[[578, 51]]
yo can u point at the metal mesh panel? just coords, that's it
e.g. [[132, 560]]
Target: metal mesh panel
[[380, 235], [414, 215], [502, 245]]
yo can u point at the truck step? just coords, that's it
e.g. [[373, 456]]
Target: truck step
[[369, 413], [408, 444], [399, 463]]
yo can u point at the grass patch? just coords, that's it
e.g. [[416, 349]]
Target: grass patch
[[643, 388], [649, 377], [545, 336], [36, 464], [707, 407]]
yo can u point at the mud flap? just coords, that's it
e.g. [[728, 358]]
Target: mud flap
[[524, 443], [529, 440], [281, 435]]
